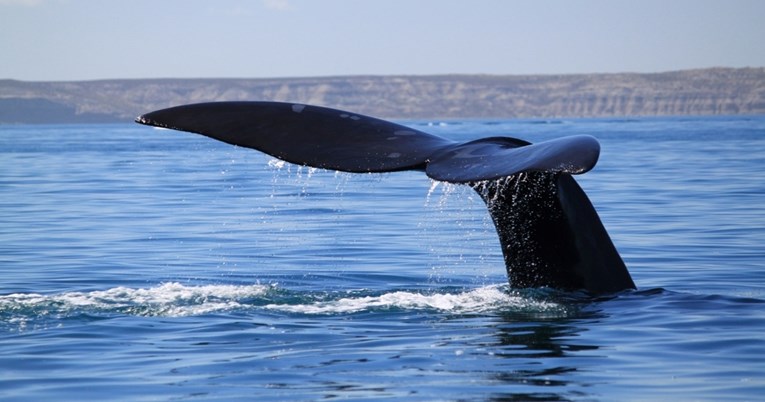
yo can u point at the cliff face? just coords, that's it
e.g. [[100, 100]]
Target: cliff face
[[690, 92]]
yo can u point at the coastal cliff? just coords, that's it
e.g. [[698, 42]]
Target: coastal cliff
[[714, 91]]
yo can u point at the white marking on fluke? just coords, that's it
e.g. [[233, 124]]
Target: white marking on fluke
[[297, 108], [404, 132]]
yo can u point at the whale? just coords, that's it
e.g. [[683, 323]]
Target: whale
[[549, 231]]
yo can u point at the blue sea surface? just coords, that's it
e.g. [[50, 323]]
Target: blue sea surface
[[147, 264]]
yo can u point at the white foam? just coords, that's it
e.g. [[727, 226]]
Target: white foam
[[485, 299], [177, 300], [169, 299]]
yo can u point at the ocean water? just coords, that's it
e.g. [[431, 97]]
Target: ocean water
[[146, 264]]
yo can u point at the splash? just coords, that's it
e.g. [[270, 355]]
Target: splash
[[169, 299], [482, 300], [447, 189], [178, 300], [276, 164]]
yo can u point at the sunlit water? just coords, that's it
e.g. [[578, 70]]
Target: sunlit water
[[145, 264]]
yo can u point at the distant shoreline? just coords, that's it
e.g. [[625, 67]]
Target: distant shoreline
[[711, 91]]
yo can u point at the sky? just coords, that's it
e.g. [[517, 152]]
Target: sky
[[68, 40]]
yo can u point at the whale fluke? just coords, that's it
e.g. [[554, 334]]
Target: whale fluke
[[498, 157], [305, 135], [549, 231]]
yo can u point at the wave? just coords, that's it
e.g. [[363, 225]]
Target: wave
[[178, 300]]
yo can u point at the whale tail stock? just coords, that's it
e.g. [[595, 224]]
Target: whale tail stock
[[551, 234], [549, 231]]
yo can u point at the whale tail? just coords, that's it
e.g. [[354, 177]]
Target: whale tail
[[551, 235], [549, 231]]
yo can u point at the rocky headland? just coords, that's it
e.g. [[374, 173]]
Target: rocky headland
[[713, 91]]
